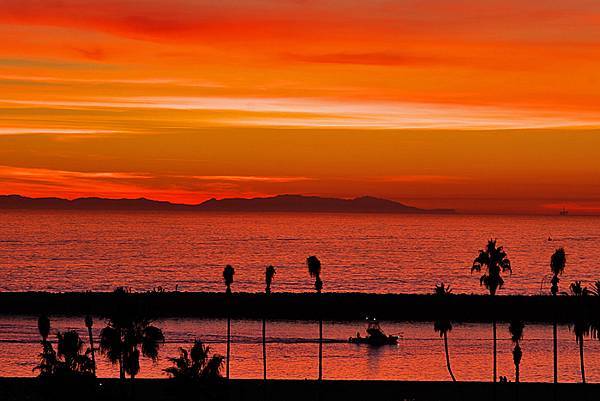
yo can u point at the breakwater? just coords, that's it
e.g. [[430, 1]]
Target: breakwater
[[303, 306]]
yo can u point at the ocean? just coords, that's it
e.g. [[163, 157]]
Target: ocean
[[98, 251]]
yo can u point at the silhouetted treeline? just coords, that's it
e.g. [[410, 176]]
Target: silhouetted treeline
[[302, 306]]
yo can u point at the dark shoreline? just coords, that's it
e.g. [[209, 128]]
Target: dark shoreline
[[303, 306], [19, 389]]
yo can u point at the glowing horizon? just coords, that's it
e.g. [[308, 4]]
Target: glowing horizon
[[475, 106]]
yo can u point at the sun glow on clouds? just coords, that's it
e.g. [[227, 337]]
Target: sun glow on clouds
[[417, 99], [303, 112]]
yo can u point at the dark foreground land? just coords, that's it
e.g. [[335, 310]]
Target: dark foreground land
[[330, 306], [22, 389]]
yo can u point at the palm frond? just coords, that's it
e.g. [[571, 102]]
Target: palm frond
[[515, 328], [558, 260], [228, 273], [111, 344], [495, 261], [152, 339], [269, 273], [314, 266], [44, 326]]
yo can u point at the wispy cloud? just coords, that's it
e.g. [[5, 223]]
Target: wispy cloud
[[58, 131], [61, 175], [49, 63], [249, 178], [380, 58], [310, 112], [422, 179], [105, 81]]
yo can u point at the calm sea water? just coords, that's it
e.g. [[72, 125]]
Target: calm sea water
[[293, 349], [62, 251]]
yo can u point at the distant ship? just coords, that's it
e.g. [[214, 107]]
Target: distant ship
[[564, 212]]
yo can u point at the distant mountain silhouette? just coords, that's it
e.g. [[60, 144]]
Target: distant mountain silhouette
[[279, 203]]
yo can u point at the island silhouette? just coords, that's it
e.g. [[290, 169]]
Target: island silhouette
[[278, 203]]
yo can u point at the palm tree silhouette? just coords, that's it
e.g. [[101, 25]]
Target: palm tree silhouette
[[443, 324], [89, 323], [125, 333], [47, 356], [228, 273], [314, 270], [558, 260], [495, 262], [69, 360], [580, 324], [70, 348], [595, 290], [197, 364], [515, 328], [269, 273]]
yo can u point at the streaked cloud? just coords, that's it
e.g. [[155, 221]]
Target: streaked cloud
[[248, 178], [331, 113], [55, 64], [432, 179], [105, 81], [56, 131], [383, 59], [60, 175]]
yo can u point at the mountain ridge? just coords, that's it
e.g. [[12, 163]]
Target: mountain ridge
[[277, 203]]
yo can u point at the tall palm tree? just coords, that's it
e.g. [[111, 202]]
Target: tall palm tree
[[580, 324], [515, 328], [269, 273], [443, 324], [89, 323], [127, 331], [494, 260], [228, 273], [314, 270], [558, 260]]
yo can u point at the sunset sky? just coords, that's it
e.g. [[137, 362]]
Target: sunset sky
[[483, 106]]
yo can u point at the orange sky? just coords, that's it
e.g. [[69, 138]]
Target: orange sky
[[478, 105]]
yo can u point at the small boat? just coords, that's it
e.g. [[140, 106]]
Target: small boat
[[375, 335], [564, 212]]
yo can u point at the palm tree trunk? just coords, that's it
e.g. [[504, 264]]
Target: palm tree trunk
[[555, 341], [494, 330], [581, 360], [320, 349], [228, 343], [264, 348], [517, 379], [121, 368], [448, 357], [91, 335]]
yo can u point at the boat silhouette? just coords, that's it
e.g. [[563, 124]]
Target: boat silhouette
[[375, 335]]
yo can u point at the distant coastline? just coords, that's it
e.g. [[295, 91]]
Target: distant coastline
[[279, 203]]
